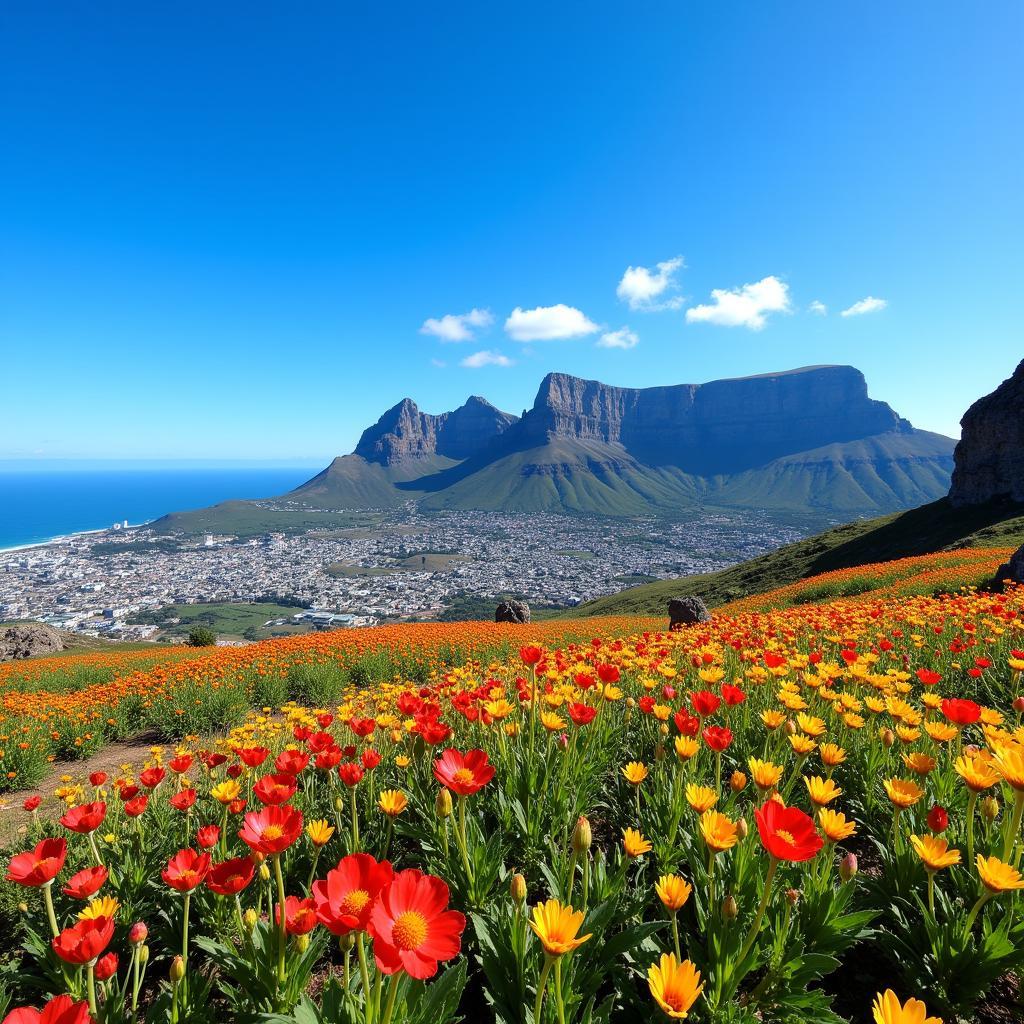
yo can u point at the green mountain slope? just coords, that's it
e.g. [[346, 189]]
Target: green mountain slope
[[934, 527], [352, 481]]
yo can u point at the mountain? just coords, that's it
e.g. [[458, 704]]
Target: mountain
[[805, 438], [984, 508]]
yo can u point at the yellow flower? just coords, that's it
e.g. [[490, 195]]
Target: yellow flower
[[831, 754], [675, 986], [635, 772], [802, 745], [821, 791], [919, 764], [700, 798], [941, 732], [226, 791], [903, 793], [552, 722], [673, 891], [686, 747], [908, 734], [634, 843], [772, 719], [319, 832], [935, 853], [102, 906], [1008, 760], [765, 774], [811, 726], [557, 927], [997, 876], [718, 832], [392, 802], [402, 761], [888, 1010], [499, 709], [976, 772], [835, 825]]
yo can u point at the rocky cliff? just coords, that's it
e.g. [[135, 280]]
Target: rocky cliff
[[404, 433], [989, 459]]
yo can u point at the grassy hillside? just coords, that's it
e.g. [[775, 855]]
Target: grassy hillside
[[934, 527], [251, 519]]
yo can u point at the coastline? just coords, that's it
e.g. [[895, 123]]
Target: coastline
[[64, 537]]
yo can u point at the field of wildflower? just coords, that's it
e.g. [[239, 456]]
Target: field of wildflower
[[809, 814]]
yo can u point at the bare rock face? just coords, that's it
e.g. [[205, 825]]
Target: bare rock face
[[687, 611], [517, 612], [1012, 570], [989, 460], [28, 641]]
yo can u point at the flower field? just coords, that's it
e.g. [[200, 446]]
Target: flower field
[[808, 814]]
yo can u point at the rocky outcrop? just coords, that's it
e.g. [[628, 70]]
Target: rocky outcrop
[[687, 611], [989, 460], [1012, 570], [28, 640], [404, 433], [517, 612]]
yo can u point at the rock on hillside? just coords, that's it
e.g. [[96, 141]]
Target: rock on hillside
[[28, 640], [989, 460]]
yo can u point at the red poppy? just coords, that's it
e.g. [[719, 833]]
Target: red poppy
[[272, 830], [350, 773], [961, 712], [85, 818], [531, 655], [433, 732], [291, 762], [183, 800], [705, 703], [463, 774], [231, 876], [275, 789], [237, 806], [927, 677], [299, 915], [687, 724], [370, 759], [135, 807], [234, 771], [345, 898], [584, 680], [180, 764], [213, 760], [207, 837], [32, 802], [786, 832], [252, 757], [152, 777], [40, 866], [362, 726], [773, 660], [327, 760], [732, 695], [106, 967], [938, 819], [320, 741], [97, 778], [59, 1010], [608, 673], [186, 870], [324, 719], [411, 928], [127, 792], [581, 714], [84, 940], [717, 737], [86, 883]]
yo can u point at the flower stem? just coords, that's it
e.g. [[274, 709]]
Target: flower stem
[[541, 985], [90, 974], [558, 991], [355, 818], [282, 928], [392, 994], [756, 926], [461, 834], [364, 972], [975, 910]]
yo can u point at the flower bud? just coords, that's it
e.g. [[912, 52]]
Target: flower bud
[[793, 896], [742, 828], [938, 819], [264, 873], [301, 943], [737, 781], [630, 703], [106, 967], [990, 808], [23, 908], [249, 919], [143, 954], [177, 970], [730, 909], [888, 737], [659, 752], [582, 836], [517, 887], [137, 933], [346, 941], [443, 804], [790, 727], [848, 867], [339, 804], [663, 730], [1018, 704]]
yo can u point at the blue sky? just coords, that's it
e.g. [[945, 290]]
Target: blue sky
[[224, 226]]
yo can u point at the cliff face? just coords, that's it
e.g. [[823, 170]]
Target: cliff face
[[721, 427], [989, 459], [404, 433]]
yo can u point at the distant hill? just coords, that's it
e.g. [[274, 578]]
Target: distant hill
[[802, 439]]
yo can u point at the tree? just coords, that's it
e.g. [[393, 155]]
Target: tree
[[201, 636]]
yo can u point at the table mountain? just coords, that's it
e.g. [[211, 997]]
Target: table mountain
[[806, 438]]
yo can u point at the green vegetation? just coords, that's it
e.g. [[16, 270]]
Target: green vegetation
[[165, 545], [201, 636], [935, 527], [473, 608], [252, 519], [225, 619]]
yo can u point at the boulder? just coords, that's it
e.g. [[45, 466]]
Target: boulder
[[27, 640], [513, 611], [686, 611], [1011, 570]]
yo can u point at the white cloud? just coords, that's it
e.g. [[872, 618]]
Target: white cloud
[[622, 338], [641, 287], [818, 307], [748, 306], [548, 323], [439, 363], [866, 305], [485, 358], [458, 326]]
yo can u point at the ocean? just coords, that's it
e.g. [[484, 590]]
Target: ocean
[[38, 505]]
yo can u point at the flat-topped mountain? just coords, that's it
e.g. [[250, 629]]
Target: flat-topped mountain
[[805, 438]]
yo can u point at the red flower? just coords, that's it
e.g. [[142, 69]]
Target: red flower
[[152, 777], [608, 673], [732, 695], [275, 789], [687, 724], [345, 898], [183, 800], [208, 836], [350, 773], [135, 807], [85, 818], [463, 774], [126, 793], [60, 1010], [411, 928], [362, 726], [938, 819], [433, 732], [299, 915], [961, 712], [291, 762], [324, 719], [180, 764], [531, 655], [370, 759], [40, 866], [705, 703], [106, 967], [786, 832], [272, 830], [86, 883], [186, 870], [97, 778], [717, 737], [84, 940], [326, 760], [581, 714], [584, 680], [320, 741], [302, 733], [230, 876], [32, 803], [252, 757], [927, 677]]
